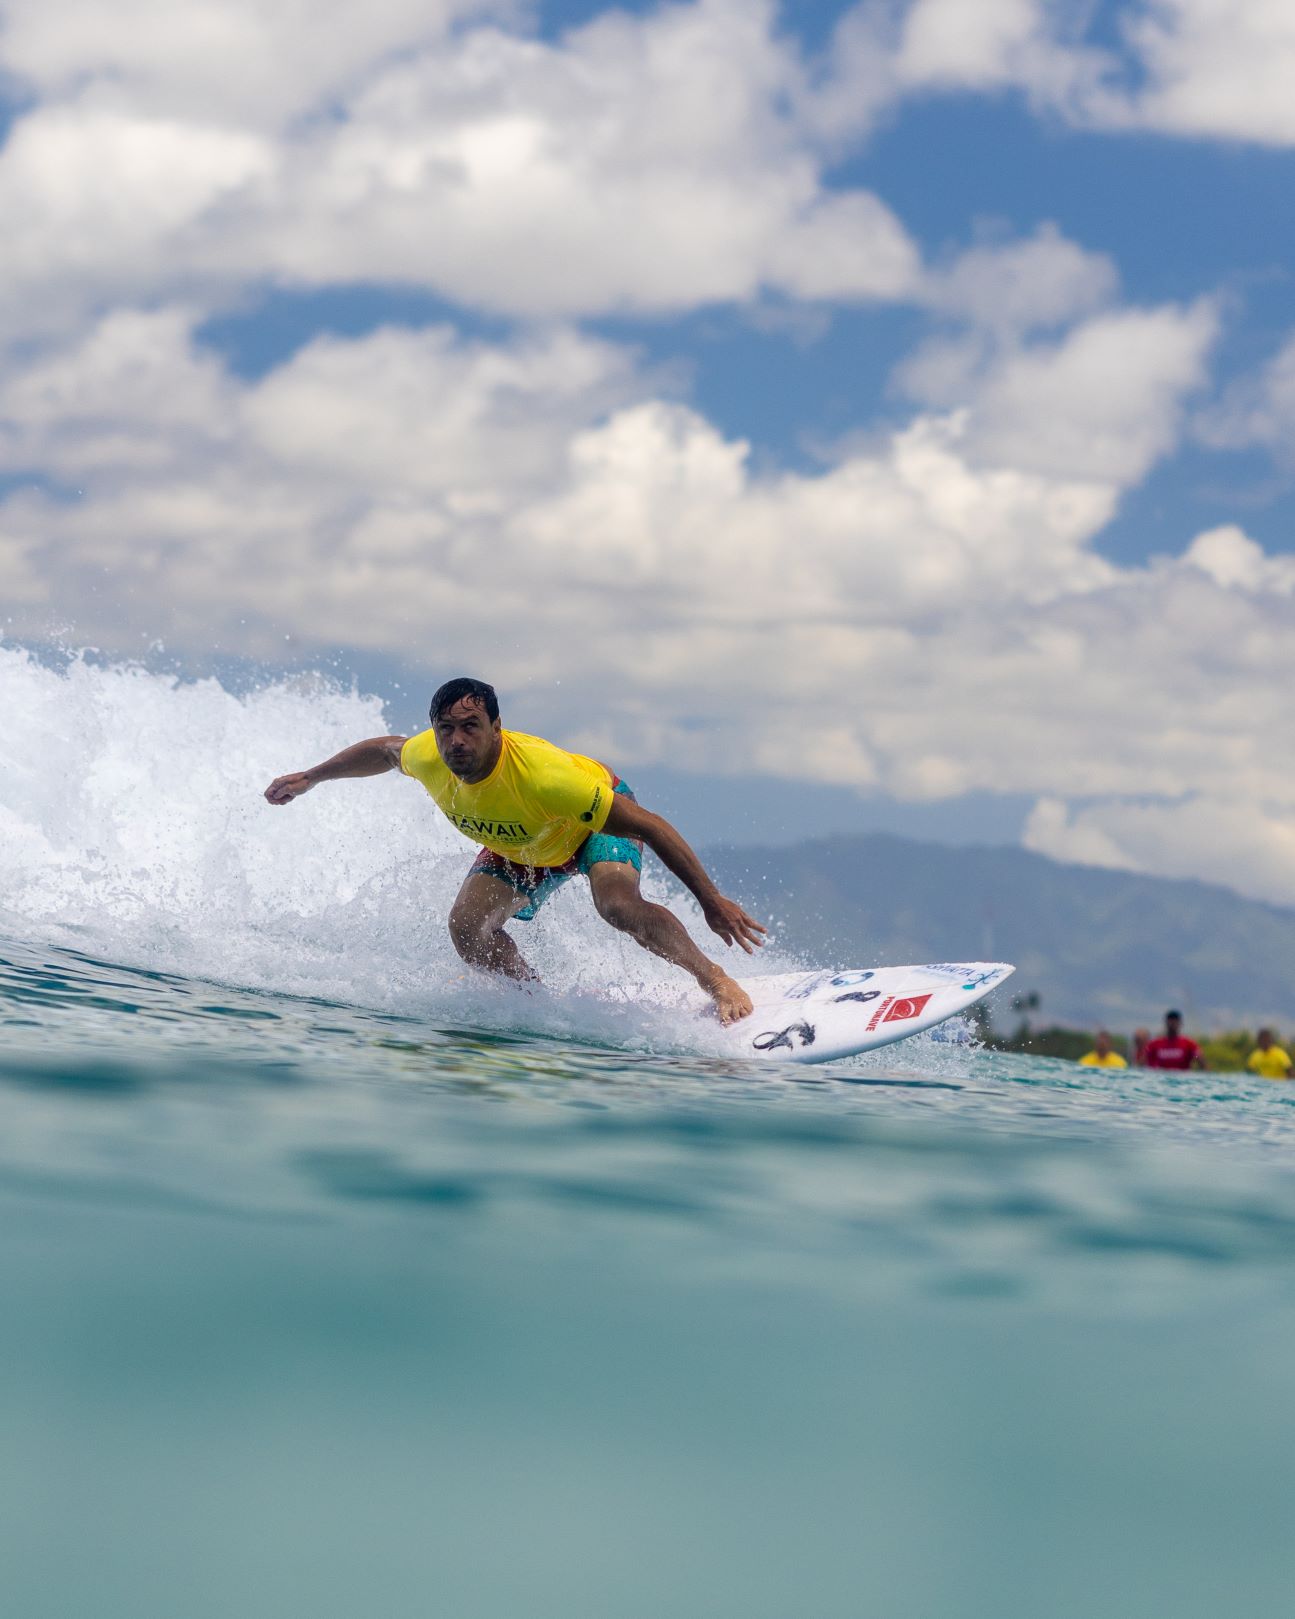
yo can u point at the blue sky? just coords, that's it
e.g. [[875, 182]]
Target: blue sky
[[891, 404]]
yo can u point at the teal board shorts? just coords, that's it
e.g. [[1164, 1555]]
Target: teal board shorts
[[537, 883]]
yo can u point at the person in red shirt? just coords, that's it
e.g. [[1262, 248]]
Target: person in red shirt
[[1173, 1049]]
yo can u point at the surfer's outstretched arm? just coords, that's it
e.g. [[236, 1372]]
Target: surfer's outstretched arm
[[726, 917], [373, 757]]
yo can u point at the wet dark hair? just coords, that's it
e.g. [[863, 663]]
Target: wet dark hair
[[454, 691]]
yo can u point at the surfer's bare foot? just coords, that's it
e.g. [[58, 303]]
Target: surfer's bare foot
[[731, 1000]]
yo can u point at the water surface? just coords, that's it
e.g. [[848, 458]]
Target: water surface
[[337, 1282], [312, 1309]]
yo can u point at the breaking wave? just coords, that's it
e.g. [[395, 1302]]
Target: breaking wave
[[133, 827]]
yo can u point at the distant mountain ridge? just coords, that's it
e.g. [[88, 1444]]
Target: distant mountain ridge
[[1098, 946]]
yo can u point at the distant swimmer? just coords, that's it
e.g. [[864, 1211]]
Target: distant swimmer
[[1268, 1060], [1103, 1054], [542, 815], [1173, 1049]]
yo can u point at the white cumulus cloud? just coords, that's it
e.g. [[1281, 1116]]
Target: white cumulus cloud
[[1257, 409], [1243, 845], [1041, 280], [1221, 68], [222, 62], [913, 619], [1218, 69], [650, 162], [1104, 400]]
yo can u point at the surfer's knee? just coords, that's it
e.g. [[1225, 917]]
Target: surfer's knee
[[468, 932]]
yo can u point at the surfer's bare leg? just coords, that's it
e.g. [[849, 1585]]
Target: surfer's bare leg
[[477, 920], [615, 886]]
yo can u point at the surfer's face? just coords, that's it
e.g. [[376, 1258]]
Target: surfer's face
[[467, 739]]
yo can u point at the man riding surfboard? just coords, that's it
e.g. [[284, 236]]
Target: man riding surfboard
[[541, 815]]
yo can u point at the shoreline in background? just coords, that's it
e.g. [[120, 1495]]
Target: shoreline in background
[[1225, 1052]]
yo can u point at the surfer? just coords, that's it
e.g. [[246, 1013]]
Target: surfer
[[542, 815]]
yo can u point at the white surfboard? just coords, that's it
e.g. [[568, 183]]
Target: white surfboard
[[819, 1016]]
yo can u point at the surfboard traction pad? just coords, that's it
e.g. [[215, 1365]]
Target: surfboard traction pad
[[812, 1017]]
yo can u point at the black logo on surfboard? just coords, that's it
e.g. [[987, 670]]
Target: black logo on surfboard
[[771, 1039], [857, 995]]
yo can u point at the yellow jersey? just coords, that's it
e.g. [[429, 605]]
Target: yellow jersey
[[1270, 1064], [536, 807], [1112, 1059]]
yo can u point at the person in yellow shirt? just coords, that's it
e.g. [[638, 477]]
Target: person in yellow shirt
[[1103, 1054], [541, 815], [1268, 1060]]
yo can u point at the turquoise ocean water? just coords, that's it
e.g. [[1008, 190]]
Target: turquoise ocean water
[[337, 1283]]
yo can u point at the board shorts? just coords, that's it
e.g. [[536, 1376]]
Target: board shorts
[[537, 883]]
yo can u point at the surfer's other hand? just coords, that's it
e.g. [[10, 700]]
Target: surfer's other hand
[[283, 789], [727, 918]]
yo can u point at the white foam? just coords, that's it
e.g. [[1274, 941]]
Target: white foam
[[132, 826]]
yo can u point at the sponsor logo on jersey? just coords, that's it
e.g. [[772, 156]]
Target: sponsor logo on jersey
[[504, 831], [589, 814]]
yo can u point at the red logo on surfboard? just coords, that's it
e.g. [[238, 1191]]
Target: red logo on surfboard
[[905, 1007], [897, 1009]]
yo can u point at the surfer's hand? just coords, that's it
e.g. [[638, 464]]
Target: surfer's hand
[[727, 918], [283, 789]]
